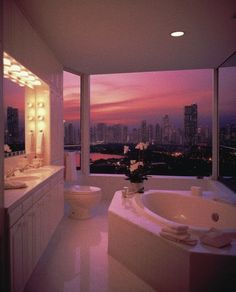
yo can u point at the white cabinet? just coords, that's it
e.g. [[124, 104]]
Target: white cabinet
[[27, 244], [31, 225], [16, 254], [37, 218]]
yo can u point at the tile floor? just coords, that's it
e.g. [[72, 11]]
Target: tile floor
[[76, 260]]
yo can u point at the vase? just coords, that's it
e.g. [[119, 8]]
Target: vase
[[137, 187]]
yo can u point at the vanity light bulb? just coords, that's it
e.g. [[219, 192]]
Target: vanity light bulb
[[30, 104], [40, 118], [6, 61], [30, 118], [40, 104], [15, 68]]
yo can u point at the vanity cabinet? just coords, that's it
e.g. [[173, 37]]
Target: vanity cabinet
[[31, 225], [16, 256]]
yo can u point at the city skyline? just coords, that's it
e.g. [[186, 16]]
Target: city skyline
[[131, 97], [163, 132]]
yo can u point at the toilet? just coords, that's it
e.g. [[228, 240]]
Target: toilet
[[82, 200]]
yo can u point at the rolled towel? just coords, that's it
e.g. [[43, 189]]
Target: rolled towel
[[216, 238], [14, 184], [187, 239], [175, 230], [177, 236], [178, 227]]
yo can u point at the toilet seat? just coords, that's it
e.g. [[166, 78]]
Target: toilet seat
[[82, 190], [82, 200]]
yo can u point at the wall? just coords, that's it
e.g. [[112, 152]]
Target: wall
[[2, 235], [111, 183], [23, 43]]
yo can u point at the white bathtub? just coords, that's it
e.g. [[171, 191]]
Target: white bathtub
[[199, 213], [134, 240]]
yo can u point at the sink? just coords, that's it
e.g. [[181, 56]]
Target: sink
[[23, 178]]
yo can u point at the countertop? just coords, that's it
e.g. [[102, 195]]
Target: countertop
[[13, 197]]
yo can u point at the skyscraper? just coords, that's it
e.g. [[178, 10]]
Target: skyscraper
[[144, 135], [12, 126], [166, 130], [190, 124]]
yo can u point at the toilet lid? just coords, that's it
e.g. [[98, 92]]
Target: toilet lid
[[82, 190]]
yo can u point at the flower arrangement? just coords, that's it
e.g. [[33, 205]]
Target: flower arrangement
[[7, 148], [137, 166]]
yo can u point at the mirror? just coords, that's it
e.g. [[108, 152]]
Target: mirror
[[227, 122], [14, 118], [23, 118]]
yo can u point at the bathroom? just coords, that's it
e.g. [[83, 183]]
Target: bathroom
[[20, 40]]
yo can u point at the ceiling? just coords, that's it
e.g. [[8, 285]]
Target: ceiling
[[111, 36]]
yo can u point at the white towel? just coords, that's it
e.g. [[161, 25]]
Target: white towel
[[39, 144], [177, 227], [14, 184], [186, 239], [30, 145], [216, 238], [176, 231], [70, 167]]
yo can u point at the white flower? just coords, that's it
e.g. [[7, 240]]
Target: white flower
[[126, 149], [135, 165], [7, 148], [141, 146]]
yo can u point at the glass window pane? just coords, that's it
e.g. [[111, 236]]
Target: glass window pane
[[227, 121], [169, 110], [71, 113]]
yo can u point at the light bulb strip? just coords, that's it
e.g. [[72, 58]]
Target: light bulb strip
[[17, 73]]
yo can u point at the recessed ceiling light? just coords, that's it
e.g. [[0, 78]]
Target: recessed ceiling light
[[177, 34]]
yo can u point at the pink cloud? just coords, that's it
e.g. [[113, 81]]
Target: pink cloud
[[130, 98]]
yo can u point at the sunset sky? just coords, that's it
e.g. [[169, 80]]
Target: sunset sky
[[130, 98]]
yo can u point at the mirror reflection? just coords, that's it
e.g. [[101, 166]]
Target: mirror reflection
[[14, 118], [19, 88]]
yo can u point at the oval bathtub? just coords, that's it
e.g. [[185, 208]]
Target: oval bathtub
[[134, 239], [181, 207]]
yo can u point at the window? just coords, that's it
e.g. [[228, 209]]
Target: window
[[71, 113], [169, 110], [227, 122]]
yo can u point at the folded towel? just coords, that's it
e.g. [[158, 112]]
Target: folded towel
[[216, 238], [174, 231], [178, 227], [14, 184], [177, 236], [70, 167], [39, 143], [189, 239]]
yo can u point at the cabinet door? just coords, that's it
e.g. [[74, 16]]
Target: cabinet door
[[60, 200], [36, 240], [27, 244], [53, 203], [16, 257]]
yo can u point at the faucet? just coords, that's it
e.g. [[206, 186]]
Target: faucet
[[10, 172]]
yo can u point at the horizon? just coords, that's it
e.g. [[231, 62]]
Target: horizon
[[130, 98]]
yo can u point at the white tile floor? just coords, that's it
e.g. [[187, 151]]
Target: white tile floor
[[76, 260]]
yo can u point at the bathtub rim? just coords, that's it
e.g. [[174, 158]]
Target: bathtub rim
[[165, 222], [134, 216]]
